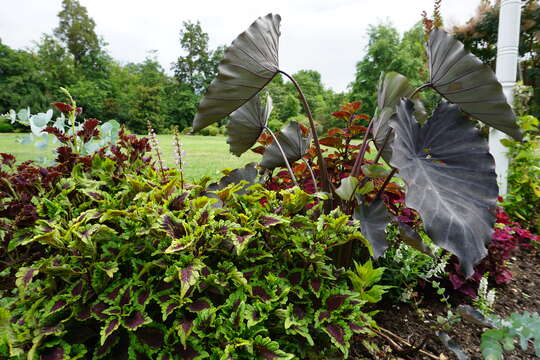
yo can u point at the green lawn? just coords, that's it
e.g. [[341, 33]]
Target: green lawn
[[205, 155]]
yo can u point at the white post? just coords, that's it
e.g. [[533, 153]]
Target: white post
[[507, 56]]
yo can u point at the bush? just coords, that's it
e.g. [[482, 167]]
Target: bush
[[127, 262], [275, 125], [211, 130], [5, 126]]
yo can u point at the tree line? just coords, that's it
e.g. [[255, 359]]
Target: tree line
[[74, 56]]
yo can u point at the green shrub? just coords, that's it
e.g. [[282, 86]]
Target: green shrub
[[5, 126], [128, 264], [275, 125], [211, 130], [523, 199]]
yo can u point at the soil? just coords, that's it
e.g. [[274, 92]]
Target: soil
[[416, 323]]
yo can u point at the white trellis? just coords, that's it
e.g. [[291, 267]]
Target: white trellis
[[507, 57]]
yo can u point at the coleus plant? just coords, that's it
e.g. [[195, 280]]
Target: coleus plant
[[444, 161], [131, 266]]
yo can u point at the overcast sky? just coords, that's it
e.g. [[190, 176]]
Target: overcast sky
[[324, 35]]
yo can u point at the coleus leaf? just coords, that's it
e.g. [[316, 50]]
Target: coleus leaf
[[247, 123], [463, 79], [135, 320], [248, 65], [267, 349], [450, 179], [392, 87], [373, 217], [189, 276], [293, 142]]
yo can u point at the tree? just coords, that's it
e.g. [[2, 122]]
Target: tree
[[479, 35], [146, 107], [77, 30], [386, 51], [198, 66], [56, 64], [21, 82]]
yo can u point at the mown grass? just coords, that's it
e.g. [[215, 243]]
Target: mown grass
[[205, 155]]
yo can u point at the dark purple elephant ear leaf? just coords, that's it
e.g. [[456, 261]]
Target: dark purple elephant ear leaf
[[373, 217], [294, 144], [464, 80], [248, 65], [247, 123], [450, 179]]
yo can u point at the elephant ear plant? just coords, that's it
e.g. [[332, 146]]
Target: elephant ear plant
[[444, 161]]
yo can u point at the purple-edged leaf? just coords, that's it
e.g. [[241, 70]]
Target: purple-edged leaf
[[24, 277], [248, 65], [356, 328], [184, 330], [450, 179], [315, 285], [247, 123], [324, 315], [55, 353], [126, 297], [151, 336], [135, 320], [334, 302], [199, 305], [84, 314], [189, 276], [108, 329], [98, 310], [59, 304], [48, 330], [260, 292], [293, 143], [191, 353], [143, 296], [271, 220], [77, 289], [174, 228], [336, 332], [106, 348], [267, 349], [374, 218], [463, 79]]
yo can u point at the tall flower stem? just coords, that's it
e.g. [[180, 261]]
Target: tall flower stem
[[322, 164]]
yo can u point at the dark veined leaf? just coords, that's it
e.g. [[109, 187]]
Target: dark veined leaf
[[412, 238], [292, 141], [247, 173], [392, 87], [452, 345], [248, 65], [247, 123], [464, 80], [374, 218], [450, 179]]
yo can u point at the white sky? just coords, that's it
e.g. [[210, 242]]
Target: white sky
[[324, 35]]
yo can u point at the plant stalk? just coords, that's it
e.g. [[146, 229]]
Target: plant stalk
[[284, 156], [322, 164], [358, 163], [386, 181], [420, 88], [312, 175]]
